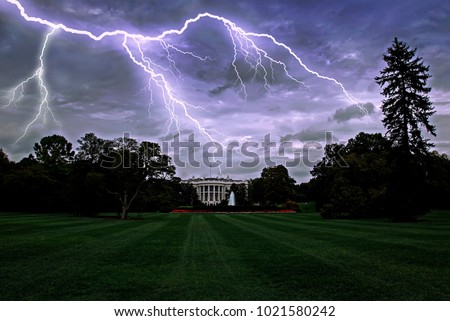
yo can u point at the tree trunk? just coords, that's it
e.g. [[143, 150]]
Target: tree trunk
[[124, 213], [126, 204]]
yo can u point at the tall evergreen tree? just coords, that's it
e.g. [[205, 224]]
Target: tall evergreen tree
[[407, 107]]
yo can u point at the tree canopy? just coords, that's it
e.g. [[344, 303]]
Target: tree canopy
[[406, 107], [104, 175], [275, 186], [358, 189], [53, 150]]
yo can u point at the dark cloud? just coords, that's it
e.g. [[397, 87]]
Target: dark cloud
[[95, 87], [308, 135], [353, 111]]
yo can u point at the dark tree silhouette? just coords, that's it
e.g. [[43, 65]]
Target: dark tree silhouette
[[5, 167], [90, 149], [407, 106], [54, 150], [131, 168], [358, 189], [277, 184], [407, 109]]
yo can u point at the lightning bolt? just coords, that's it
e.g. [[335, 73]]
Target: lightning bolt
[[243, 43], [38, 75]]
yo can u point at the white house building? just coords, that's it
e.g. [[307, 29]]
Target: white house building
[[212, 191]]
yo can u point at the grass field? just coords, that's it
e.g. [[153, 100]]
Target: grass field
[[223, 257]]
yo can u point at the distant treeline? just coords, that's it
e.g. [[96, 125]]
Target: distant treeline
[[369, 177], [118, 175]]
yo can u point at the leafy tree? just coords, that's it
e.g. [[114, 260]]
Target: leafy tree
[[90, 148], [30, 186], [54, 150], [166, 194], [256, 191], [5, 164], [88, 193], [302, 192], [123, 175], [275, 186], [101, 173], [5, 167], [55, 155], [407, 105], [131, 168], [28, 161], [187, 193], [88, 190], [438, 180], [358, 189]]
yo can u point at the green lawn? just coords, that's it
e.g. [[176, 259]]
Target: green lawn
[[223, 257]]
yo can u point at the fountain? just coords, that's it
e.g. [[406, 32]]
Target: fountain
[[231, 207], [232, 201]]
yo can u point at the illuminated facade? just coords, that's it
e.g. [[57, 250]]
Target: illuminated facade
[[212, 191]]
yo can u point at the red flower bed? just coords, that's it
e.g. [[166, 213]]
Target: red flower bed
[[190, 211], [211, 211]]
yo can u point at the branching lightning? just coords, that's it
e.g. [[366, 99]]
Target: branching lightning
[[243, 43], [38, 75]]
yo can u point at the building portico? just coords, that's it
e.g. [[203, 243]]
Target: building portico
[[212, 191]]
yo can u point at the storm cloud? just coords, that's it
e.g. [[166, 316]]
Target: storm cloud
[[96, 87], [353, 111]]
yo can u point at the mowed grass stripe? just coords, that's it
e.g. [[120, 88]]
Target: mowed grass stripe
[[258, 259], [287, 272], [33, 223], [141, 271], [223, 257], [76, 233], [412, 234], [365, 244], [427, 223], [391, 239], [360, 235], [383, 269], [45, 265], [205, 269]]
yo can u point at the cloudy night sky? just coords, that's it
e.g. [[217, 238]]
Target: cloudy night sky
[[235, 96]]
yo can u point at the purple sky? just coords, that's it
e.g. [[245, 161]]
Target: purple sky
[[237, 97]]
